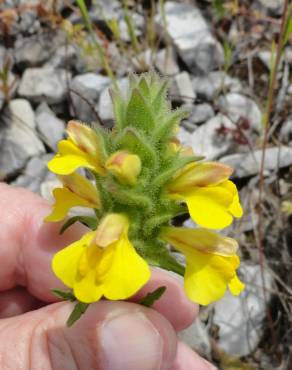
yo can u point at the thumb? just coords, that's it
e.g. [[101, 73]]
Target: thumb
[[111, 336]]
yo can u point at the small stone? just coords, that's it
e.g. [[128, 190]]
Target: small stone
[[274, 7], [34, 50], [191, 36], [240, 319], [52, 129], [285, 134], [201, 113], [183, 88], [33, 174], [64, 57], [196, 336], [239, 106], [48, 84], [166, 62], [21, 111], [212, 84], [248, 164], [88, 87], [184, 136], [205, 140], [18, 139], [105, 107]]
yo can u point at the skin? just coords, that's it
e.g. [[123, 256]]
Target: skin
[[111, 336]]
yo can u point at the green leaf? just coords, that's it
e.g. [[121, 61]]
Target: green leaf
[[139, 114], [67, 296], [77, 312], [165, 130], [88, 221], [119, 107], [152, 297], [137, 143]]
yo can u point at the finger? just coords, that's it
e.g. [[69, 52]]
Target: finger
[[173, 304], [27, 246], [111, 336], [16, 301], [187, 359]]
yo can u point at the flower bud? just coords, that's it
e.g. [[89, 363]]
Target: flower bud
[[124, 166]]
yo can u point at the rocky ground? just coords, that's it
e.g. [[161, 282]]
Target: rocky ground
[[217, 55]]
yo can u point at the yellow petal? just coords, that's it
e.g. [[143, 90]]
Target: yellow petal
[[235, 285], [207, 276], [235, 207], [64, 200], [198, 175], [69, 159], [209, 206], [128, 271], [65, 263], [82, 187], [85, 138], [125, 166], [185, 240], [111, 228]]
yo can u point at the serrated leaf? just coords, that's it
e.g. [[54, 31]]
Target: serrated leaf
[[166, 128], [88, 221], [139, 114], [119, 108], [152, 297], [67, 296], [79, 309], [137, 143]]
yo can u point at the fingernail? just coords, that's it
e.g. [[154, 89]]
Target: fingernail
[[130, 341]]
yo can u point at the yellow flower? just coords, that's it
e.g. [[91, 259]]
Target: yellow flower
[[125, 166], [102, 263], [211, 198], [211, 262], [77, 191], [81, 149]]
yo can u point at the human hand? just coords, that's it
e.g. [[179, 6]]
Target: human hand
[[112, 335]]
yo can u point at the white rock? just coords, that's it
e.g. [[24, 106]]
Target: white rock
[[166, 62], [191, 35], [34, 173], [248, 164], [205, 140], [201, 113], [184, 136], [210, 85], [21, 111], [240, 319], [196, 336], [32, 51], [285, 134], [105, 107], [237, 106], [19, 141], [183, 88], [274, 6], [88, 86], [46, 84], [52, 129]]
